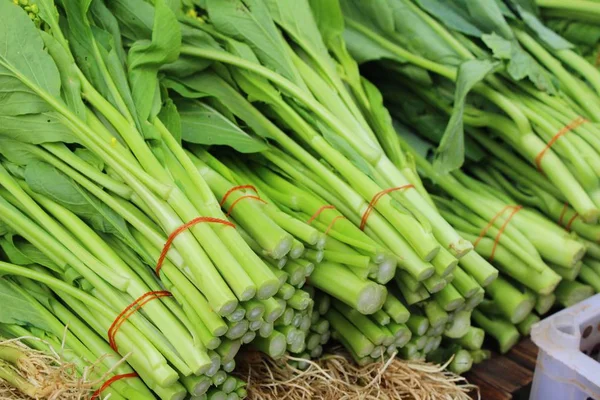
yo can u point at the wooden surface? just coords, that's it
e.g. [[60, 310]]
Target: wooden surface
[[507, 376]]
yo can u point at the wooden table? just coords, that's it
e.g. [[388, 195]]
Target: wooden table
[[508, 376]]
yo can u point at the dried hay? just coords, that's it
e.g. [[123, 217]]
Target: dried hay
[[50, 375], [336, 376]]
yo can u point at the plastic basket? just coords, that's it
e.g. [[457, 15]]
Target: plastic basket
[[568, 363]]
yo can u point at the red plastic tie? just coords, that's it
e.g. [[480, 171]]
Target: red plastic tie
[[112, 380], [129, 311], [246, 196], [332, 223], [235, 189], [572, 125], [319, 211], [182, 228], [375, 199]]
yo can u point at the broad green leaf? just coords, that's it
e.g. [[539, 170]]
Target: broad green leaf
[[522, 65], [211, 85], [35, 128], [501, 48], [450, 154], [296, 19], [136, 18], [377, 14], [70, 82], [488, 16], [104, 19], [201, 124], [329, 19], [25, 67], [419, 35], [381, 121], [169, 116], [452, 15], [249, 21], [146, 57], [46, 180], [19, 308], [364, 49], [90, 158], [116, 73], [21, 252], [16, 152], [13, 255], [547, 36], [256, 87]]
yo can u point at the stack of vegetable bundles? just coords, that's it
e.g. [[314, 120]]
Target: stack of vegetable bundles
[[527, 197], [179, 179]]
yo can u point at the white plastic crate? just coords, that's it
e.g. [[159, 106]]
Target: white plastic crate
[[568, 363]]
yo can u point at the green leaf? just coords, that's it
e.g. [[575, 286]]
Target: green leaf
[[256, 87], [501, 48], [25, 67], [116, 73], [523, 65], [90, 158], [146, 57], [13, 255], [488, 16], [169, 116], [450, 154], [249, 21], [377, 14], [17, 152], [70, 82], [381, 121], [105, 20], [452, 15], [296, 19], [329, 19], [19, 308], [35, 128], [364, 49], [136, 18], [547, 36], [210, 84], [46, 180], [19, 251], [202, 124]]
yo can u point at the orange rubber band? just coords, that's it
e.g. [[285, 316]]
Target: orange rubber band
[[246, 196], [319, 211], [562, 213], [573, 218], [129, 311], [184, 227], [489, 225], [333, 221], [363, 221], [112, 380], [497, 239], [572, 125], [234, 189]]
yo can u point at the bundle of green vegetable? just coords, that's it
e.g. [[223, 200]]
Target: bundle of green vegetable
[[529, 141]]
